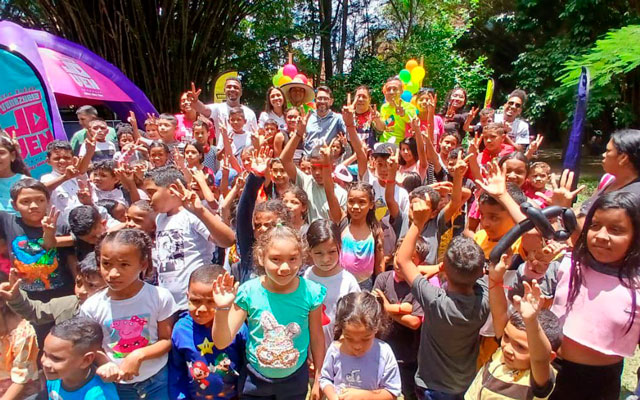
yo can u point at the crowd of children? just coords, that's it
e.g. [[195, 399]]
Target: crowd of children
[[238, 258]]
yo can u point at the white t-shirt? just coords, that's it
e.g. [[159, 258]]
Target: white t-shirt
[[238, 142], [337, 286], [264, 116], [115, 194], [131, 324], [220, 112], [182, 245], [65, 195], [382, 211], [104, 151], [519, 130]]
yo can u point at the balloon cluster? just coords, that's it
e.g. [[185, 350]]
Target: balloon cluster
[[411, 77], [288, 73]]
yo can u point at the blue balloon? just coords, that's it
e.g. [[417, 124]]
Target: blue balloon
[[406, 96]]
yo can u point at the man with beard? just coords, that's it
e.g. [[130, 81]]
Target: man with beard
[[517, 129], [323, 124], [219, 112]]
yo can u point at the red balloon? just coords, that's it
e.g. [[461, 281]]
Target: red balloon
[[301, 78]]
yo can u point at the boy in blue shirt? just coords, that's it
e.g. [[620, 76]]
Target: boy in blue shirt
[[197, 369], [67, 361]]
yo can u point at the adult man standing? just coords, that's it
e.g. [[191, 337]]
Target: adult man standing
[[323, 124], [297, 93], [517, 129], [85, 115], [219, 112]]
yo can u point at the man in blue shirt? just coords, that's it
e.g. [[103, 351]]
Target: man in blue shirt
[[324, 124]]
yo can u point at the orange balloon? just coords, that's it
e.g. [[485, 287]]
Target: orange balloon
[[411, 64]]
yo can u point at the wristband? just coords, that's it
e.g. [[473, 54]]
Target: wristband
[[388, 181], [320, 165], [223, 308], [350, 126]]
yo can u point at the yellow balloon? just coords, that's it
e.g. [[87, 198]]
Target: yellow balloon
[[418, 74], [411, 64], [284, 79]]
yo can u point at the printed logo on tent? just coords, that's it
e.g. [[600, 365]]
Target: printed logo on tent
[[80, 77], [23, 111]]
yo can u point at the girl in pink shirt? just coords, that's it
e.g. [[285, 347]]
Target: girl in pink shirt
[[597, 300]]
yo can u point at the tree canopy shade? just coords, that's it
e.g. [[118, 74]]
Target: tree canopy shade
[[161, 45]]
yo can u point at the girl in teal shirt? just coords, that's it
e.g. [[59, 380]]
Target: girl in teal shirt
[[284, 314]]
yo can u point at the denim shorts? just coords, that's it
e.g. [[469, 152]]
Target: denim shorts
[[293, 387], [153, 388]]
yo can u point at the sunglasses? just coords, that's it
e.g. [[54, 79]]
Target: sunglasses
[[514, 104]]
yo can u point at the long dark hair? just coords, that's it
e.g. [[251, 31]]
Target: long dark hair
[[413, 147], [322, 230], [372, 221], [447, 101], [627, 141], [17, 166], [267, 105], [629, 267]]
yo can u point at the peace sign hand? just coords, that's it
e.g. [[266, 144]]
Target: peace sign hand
[[49, 221], [474, 146], [189, 198], [347, 116], [84, 192], [72, 170], [534, 146], [460, 167], [193, 94]]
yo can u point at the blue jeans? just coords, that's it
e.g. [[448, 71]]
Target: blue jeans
[[153, 388], [293, 387], [430, 394]]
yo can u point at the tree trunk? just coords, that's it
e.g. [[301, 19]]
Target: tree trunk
[[343, 37], [325, 37]]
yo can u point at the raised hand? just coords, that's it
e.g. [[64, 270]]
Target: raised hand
[[444, 188], [534, 146], [132, 119], [225, 290], [530, 304], [124, 173], [199, 176], [497, 271], [474, 146], [347, 116], [471, 116], [152, 119], [84, 192], [422, 211], [374, 112], [303, 119], [72, 170], [9, 290], [193, 94], [260, 160], [49, 221], [189, 198], [460, 167], [90, 141], [393, 165], [562, 194], [178, 159], [495, 183]]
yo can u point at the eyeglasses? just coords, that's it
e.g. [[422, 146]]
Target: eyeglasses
[[514, 104]]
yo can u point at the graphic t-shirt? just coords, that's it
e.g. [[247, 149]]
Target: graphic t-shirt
[[131, 324], [376, 369], [104, 151], [198, 369], [337, 286], [95, 389], [396, 125], [41, 269], [278, 325], [182, 245], [5, 197]]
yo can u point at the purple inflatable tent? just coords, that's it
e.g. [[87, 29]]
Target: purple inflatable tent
[[43, 71]]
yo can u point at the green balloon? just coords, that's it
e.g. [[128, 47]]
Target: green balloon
[[275, 80], [405, 75]]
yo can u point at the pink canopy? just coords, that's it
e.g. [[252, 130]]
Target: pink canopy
[[72, 77]]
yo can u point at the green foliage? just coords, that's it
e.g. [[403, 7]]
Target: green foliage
[[445, 67]]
